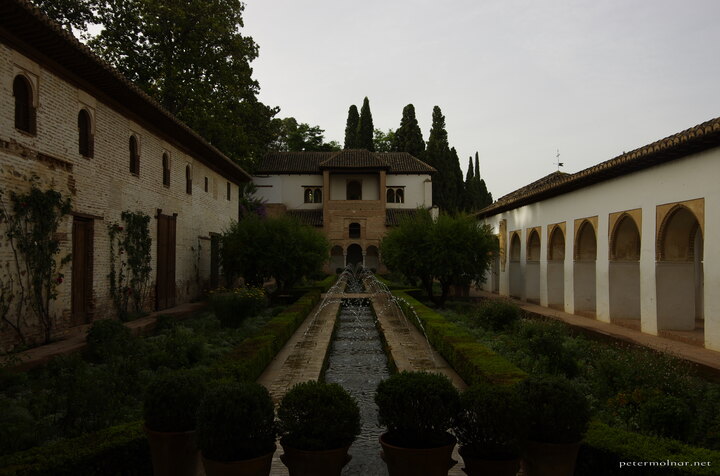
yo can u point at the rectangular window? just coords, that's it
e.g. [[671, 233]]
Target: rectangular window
[[228, 191]]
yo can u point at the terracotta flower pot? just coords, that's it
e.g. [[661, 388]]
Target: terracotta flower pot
[[413, 461], [259, 466], [315, 463], [550, 459], [475, 466], [173, 454]]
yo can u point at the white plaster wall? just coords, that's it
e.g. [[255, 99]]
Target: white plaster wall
[[685, 179], [414, 190], [288, 189]]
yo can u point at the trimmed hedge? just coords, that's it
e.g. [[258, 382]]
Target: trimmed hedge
[[474, 362], [116, 451], [604, 448], [123, 450]]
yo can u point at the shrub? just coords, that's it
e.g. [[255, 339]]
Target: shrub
[[106, 339], [18, 428], [318, 416], [665, 415], [235, 422], [176, 348], [492, 422], [232, 307], [172, 401], [497, 314], [560, 412], [417, 408]]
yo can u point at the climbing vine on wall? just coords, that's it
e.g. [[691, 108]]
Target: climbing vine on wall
[[130, 268], [31, 225]]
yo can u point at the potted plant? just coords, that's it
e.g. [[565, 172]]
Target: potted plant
[[491, 428], [417, 408], [171, 402], [318, 423], [236, 430], [558, 420]]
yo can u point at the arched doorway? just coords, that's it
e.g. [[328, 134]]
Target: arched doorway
[[556, 269], [337, 260], [372, 258], [354, 254], [624, 270], [584, 269], [679, 271], [516, 283], [532, 268]]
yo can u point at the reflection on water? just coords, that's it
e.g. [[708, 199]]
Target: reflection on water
[[358, 363]]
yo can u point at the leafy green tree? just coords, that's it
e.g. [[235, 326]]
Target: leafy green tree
[[291, 136], [259, 248], [70, 13], [365, 128], [450, 250], [383, 140], [351, 128], [408, 138]]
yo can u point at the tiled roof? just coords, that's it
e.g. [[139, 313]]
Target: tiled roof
[[696, 139], [308, 217], [28, 29], [314, 162], [393, 216]]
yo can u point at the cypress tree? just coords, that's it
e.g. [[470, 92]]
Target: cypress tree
[[365, 128], [408, 137], [351, 128], [437, 155], [477, 166], [457, 188], [469, 175]]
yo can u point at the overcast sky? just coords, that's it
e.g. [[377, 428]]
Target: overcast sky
[[516, 80]]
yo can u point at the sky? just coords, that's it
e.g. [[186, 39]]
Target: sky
[[517, 80]]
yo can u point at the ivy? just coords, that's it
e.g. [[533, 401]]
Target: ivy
[[31, 229], [130, 268]]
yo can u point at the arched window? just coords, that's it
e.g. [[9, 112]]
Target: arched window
[[134, 156], [207, 185], [229, 190], [25, 117], [399, 196], [85, 136], [390, 195], [533, 251], [586, 243], [166, 169], [308, 195], [354, 190], [317, 196], [354, 230], [188, 180]]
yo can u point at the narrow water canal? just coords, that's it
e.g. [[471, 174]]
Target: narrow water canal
[[357, 361]]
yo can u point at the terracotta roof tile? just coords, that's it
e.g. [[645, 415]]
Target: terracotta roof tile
[[393, 216], [314, 162], [352, 159], [308, 217]]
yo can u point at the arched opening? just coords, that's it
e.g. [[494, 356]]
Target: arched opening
[[166, 170], [25, 117], [188, 180], [495, 269], [134, 156], [372, 258], [85, 136], [317, 195], [399, 196], [354, 254], [624, 271], [337, 259], [679, 272], [532, 268], [516, 283], [390, 195], [308, 195], [354, 230], [584, 269], [354, 190], [556, 269]]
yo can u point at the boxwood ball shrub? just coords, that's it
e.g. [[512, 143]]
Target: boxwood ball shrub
[[108, 338], [231, 307], [498, 314], [417, 408], [236, 421], [172, 401], [492, 422], [559, 412], [318, 416]]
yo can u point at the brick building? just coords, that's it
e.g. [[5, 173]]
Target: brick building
[[84, 130], [354, 195]]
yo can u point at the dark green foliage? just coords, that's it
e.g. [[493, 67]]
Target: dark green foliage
[[291, 136], [106, 339], [351, 128], [560, 412], [447, 182], [232, 307], [18, 428], [236, 421], [666, 415], [408, 137], [477, 196], [492, 422], [417, 408], [318, 416], [281, 248], [383, 141], [451, 250], [69, 13], [174, 348], [498, 314], [172, 401], [365, 128]]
